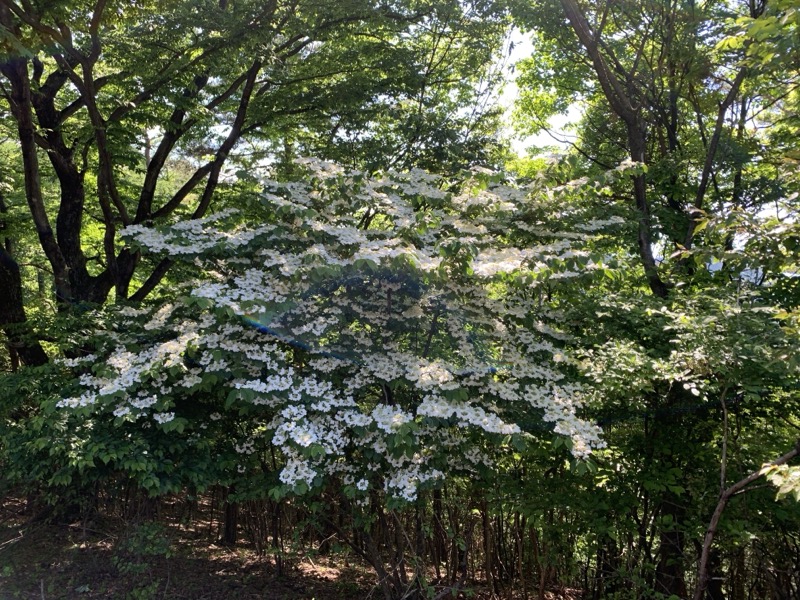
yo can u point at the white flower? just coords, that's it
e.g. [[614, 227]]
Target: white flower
[[164, 417], [388, 418], [340, 335]]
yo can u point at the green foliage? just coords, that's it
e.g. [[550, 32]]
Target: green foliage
[[134, 554], [694, 388], [786, 479]]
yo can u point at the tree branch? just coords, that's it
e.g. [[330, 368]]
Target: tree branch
[[725, 496], [622, 105], [711, 153]]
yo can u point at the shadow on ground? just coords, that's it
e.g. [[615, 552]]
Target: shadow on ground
[[48, 561]]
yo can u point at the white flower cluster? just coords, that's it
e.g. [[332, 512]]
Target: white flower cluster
[[193, 236], [388, 418], [164, 417], [357, 345], [492, 261], [466, 414], [598, 224], [131, 376], [71, 363], [404, 482]]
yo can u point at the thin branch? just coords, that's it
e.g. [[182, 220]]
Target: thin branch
[[152, 281], [724, 459], [175, 129], [711, 153], [725, 496], [183, 192], [27, 17]]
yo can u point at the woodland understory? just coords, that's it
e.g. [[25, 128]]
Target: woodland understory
[[287, 311]]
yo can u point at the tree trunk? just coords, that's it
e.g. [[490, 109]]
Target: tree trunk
[[669, 570], [230, 528], [624, 106], [12, 309], [16, 71]]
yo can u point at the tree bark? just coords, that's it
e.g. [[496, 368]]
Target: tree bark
[[622, 104], [230, 528], [670, 579], [12, 309], [16, 71], [725, 496]]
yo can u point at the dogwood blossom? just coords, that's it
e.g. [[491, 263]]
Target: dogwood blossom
[[365, 334]]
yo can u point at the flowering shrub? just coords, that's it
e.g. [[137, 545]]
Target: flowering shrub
[[380, 331]]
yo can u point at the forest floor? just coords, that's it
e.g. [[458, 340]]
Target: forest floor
[[107, 558]]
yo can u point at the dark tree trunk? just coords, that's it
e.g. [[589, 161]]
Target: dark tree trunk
[[16, 71], [669, 570], [230, 528], [628, 109], [12, 309], [714, 589], [12, 314]]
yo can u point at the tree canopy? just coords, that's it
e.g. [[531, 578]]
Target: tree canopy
[[571, 369]]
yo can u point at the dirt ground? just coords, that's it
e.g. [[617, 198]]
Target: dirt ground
[[50, 562], [112, 559]]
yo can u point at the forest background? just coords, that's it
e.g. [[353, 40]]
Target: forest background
[[465, 367]]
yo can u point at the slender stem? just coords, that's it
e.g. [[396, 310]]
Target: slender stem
[[724, 459], [725, 496]]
